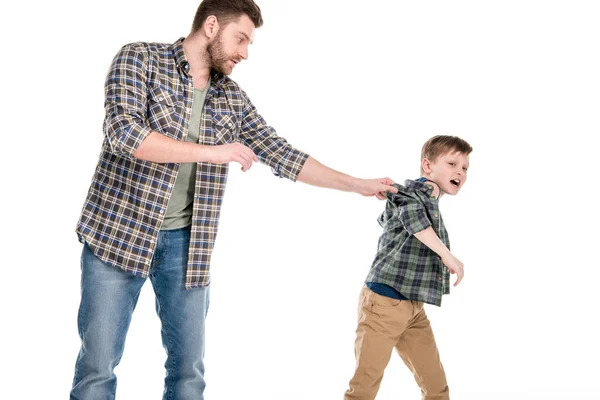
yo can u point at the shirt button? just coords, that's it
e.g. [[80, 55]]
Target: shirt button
[[161, 211], [435, 215], [440, 278]]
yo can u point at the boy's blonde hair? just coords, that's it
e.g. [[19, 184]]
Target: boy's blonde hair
[[444, 144]]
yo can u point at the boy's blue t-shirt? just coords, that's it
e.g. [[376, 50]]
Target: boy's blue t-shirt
[[384, 290], [381, 288]]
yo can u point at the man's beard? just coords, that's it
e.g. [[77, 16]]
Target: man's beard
[[217, 58]]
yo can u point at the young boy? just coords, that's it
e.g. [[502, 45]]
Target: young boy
[[411, 268]]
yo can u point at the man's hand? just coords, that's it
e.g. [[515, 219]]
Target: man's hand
[[316, 174], [455, 266], [236, 152], [375, 187]]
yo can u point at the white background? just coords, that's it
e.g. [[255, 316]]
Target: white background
[[360, 86]]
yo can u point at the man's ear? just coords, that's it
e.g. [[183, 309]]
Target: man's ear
[[211, 26]]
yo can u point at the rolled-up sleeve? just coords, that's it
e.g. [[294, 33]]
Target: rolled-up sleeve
[[271, 149], [410, 210], [125, 123]]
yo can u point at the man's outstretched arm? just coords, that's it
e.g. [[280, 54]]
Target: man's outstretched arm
[[316, 174]]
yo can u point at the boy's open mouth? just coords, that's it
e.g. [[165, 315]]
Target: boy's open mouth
[[455, 182]]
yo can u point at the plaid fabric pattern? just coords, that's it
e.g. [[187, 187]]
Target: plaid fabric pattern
[[148, 89], [403, 261]]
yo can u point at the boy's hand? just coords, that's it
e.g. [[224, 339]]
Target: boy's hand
[[455, 266]]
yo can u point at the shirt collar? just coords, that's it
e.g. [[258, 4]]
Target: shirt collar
[[180, 60], [419, 186], [216, 77]]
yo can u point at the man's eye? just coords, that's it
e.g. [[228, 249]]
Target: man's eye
[[451, 163], [465, 169], [240, 40]]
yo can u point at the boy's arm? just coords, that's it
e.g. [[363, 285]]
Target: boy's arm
[[413, 216], [429, 238]]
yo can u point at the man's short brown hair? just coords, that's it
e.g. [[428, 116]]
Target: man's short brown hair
[[227, 11]]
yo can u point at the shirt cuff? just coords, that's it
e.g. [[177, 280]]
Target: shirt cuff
[[126, 142], [291, 165], [417, 222]]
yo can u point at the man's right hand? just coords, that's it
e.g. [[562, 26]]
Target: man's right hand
[[236, 152]]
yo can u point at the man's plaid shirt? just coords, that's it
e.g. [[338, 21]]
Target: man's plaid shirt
[[148, 88], [403, 261]]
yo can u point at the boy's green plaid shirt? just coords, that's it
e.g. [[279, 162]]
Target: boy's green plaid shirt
[[403, 261]]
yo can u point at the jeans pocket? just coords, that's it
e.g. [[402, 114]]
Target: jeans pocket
[[384, 301]]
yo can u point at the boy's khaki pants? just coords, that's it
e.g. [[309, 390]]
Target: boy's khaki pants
[[384, 324]]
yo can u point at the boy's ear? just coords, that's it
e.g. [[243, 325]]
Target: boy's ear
[[426, 165]]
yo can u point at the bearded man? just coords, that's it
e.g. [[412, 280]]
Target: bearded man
[[174, 121]]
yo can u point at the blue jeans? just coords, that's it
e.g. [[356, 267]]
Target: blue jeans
[[108, 298]]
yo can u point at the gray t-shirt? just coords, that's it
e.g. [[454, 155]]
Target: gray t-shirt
[[179, 210]]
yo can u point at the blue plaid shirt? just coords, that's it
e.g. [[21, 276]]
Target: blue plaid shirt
[[148, 88]]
